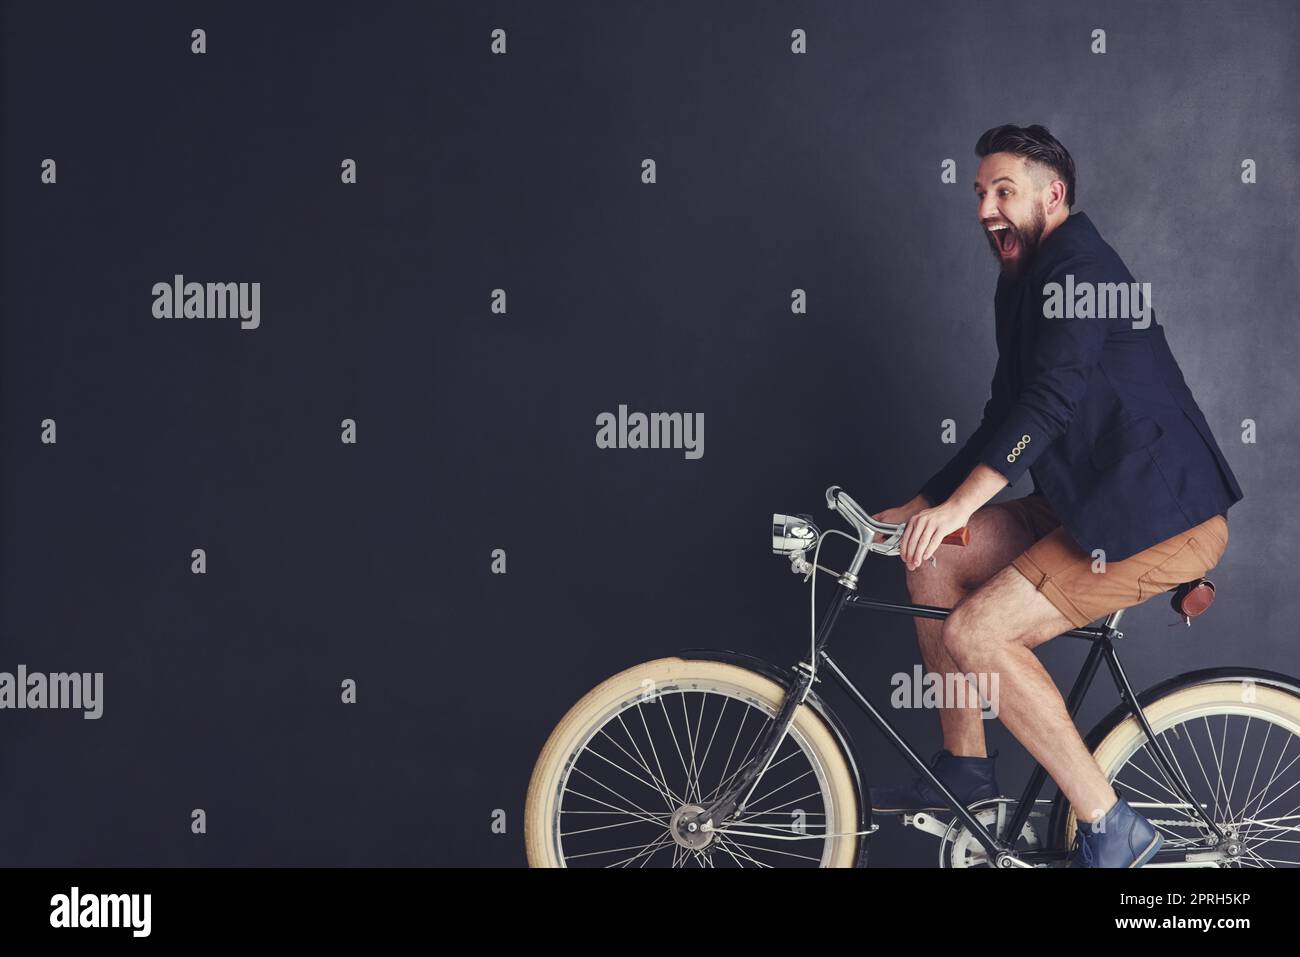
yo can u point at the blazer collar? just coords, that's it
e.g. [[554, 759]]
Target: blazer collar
[[1076, 224]]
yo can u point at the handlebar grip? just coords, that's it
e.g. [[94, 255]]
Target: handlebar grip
[[959, 537]]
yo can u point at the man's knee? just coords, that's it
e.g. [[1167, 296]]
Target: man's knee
[[963, 633]]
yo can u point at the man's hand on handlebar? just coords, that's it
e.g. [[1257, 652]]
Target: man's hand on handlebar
[[902, 513], [926, 530]]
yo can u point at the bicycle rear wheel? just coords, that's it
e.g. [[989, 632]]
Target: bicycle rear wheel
[[667, 735], [1236, 746]]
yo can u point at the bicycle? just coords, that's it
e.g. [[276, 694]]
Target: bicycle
[[698, 814]]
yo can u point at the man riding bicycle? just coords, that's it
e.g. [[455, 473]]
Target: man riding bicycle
[[1130, 491]]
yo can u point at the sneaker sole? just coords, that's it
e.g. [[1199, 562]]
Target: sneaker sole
[[1153, 848]]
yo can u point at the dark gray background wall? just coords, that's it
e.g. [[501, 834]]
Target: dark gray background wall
[[476, 431]]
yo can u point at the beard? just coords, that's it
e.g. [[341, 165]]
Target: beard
[[1026, 237]]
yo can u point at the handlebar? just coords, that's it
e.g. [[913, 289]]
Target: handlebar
[[838, 500]]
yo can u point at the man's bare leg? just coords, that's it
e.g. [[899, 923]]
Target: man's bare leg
[[997, 537], [994, 631]]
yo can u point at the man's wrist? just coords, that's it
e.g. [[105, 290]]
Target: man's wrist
[[980, 486], [961, 502]]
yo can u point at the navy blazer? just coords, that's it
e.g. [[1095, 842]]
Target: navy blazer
[[1096, 409]]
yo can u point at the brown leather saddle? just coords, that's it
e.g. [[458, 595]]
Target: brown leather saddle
[[1192, 599]]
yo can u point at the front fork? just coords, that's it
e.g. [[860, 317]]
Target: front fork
[[732, 800]]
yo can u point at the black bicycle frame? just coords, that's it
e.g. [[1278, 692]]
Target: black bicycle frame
[[999, 852]]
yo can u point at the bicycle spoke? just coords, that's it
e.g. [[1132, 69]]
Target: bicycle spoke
[[618, 850], [1268, 729], [730, 847], [1262, 826], [744, 763], [751, 814], [649, 851], [642, 810], [743, 718], [740, 770], [663, 709], [603, 827], [709, 748], [660, 782], [1240, 751], [693, 741], [637, 777], [1201, 764], [1264, 793], [783, 786], [767, 850]]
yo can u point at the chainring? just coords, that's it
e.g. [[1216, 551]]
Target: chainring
[[960, 848]]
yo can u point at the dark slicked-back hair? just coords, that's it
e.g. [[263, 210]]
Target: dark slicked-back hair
[[1033, 143]]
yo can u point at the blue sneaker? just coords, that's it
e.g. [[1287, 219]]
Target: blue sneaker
[[969, 779], [1122, 838]]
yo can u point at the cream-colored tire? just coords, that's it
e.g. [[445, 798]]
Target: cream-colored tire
[[1233, 761], [629, 699]]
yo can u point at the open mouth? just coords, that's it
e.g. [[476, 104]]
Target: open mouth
[[1004, 237]]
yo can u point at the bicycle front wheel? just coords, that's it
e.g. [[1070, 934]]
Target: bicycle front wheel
[[1236, 746], [662, 738]]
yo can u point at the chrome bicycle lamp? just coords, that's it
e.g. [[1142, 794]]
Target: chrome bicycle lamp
[[792, 534]]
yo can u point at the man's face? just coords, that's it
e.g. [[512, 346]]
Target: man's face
[[1011, 210]]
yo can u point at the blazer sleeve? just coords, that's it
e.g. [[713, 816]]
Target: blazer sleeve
[[944, 482], [1065, 353]]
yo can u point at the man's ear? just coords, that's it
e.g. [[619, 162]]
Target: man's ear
[[1056, 193]]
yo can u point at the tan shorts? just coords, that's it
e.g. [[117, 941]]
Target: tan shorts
[[1065, 573]]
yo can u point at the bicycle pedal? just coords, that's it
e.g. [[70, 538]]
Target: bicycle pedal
[[926, 822], [939, 823]]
